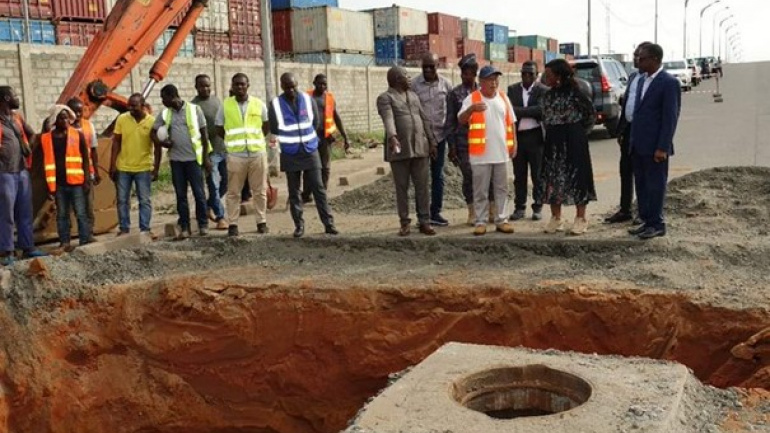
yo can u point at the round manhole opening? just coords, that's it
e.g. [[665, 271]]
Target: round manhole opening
[[517, 392]]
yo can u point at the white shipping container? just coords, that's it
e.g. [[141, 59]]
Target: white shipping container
[[401, 21], [332, 30], [473, 30], [215, 18]]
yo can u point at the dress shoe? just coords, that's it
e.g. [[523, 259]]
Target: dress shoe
[[517, 214], [638, 221], [221, 225], [232, 230], [636, 231], [331, 230], [426, 229], [299, 231], [203, 231], [651, 232], [480, 230], [405, 230], [262, 229], [438, 220], [505, 228], [537, 215], [618, 217]]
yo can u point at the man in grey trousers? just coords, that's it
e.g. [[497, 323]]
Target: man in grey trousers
[[409, 145]]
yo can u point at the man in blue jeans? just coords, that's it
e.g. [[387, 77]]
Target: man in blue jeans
[[188, 148], [133, 161], [15, 190]]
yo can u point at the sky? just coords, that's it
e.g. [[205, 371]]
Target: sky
[[630, 22]]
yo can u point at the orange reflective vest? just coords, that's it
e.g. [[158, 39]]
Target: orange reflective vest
[[330, 126], [17, 119], [477, 128], [73, 160], [88, 133]]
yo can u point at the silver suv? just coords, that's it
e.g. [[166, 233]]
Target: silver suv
[[608, 79]]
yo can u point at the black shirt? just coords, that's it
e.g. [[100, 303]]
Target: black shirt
[[60, 153]]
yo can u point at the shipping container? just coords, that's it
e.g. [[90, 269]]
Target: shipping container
[[550, 55], [442, 46], [399, 21], [519, 54], [535, 42], [186, 50], [86, 10], [76, 34], [332, 30], [553, 45], [473, 30], [571, 48], [40, 31], [38, 9], [300, 4], [342, 59], [388, 51], [245, 47], [215, 18], [496, 52], [244, 17], [513, 41], [468, 46], [282, 42], [212, 45], [445, 25], [496, 33], [538, 56]]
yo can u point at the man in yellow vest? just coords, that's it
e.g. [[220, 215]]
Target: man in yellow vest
[[332, 123], [183, 133], [243, 123], [66, 165], [491, 142], [92, 141]]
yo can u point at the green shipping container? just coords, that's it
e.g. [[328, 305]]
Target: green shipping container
[[496, 52], [513, 41], [535, 42]]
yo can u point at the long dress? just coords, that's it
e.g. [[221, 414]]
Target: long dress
[[567, 176]]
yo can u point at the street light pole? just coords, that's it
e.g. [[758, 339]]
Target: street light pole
[[589, 28], [719, 45], [656, 21], [700, 26], [684, 36], [714, 26]]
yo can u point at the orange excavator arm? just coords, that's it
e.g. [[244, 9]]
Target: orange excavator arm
[[129, 32]]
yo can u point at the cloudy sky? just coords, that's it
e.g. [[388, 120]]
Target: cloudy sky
[[630, 21]]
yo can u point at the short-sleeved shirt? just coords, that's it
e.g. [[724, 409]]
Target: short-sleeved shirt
[[136, 147], [496, 148], [179, 133], [11, 158], [210, 108], [220, 121]]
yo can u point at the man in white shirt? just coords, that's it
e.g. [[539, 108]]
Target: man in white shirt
[[491, 141]]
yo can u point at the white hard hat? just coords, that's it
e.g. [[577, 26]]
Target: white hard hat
[[162, 133]]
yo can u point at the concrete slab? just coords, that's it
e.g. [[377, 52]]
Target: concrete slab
[[117, 243], [622, 394]]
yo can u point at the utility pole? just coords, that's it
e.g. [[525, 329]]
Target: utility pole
[[656, 21], [27, 32], [590, 50], [684, 37], [609, 33], [268, 58]]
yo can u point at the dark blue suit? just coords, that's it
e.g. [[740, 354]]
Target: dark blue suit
[[655, 119]]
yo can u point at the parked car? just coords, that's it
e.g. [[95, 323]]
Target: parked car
[[705, 67], [679, 70], [696, 77], [608, 79]]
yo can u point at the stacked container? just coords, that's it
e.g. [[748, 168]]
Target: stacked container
[[282, 41], [245, 30], [443, 47], [519, 54], [496, 37], [332, 30], [40, 32], [571, 48], [553, 45], [76, 34], [535, 42], [212, 45], [277, 5], [388, 51], [399, 21], [473, 30], [79, 10], [445, 25], [186, 50], [468, 46], [38, 9], [538, 56], [215, 18]]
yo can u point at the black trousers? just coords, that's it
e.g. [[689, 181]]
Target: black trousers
[[315, 185], [325, 152], [626, 171], [528, 160]]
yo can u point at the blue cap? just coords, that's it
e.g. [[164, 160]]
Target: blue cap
[[488, 71]]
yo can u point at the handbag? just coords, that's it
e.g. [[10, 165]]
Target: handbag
[[272, 195]]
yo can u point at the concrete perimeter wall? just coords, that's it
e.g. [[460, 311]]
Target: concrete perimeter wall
[[39, 73]]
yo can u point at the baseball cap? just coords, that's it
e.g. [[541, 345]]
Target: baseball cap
[[488, 71]]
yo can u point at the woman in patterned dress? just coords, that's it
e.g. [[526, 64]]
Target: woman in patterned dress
[[567, 176]]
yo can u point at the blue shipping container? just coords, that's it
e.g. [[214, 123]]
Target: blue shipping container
[[551, 56], [340, 59], [387, 51], [496, 33], [41, 32], [186, 50], [571, 48], [277, 5]]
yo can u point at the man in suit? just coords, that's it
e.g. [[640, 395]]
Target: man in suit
[[624, 133], [652, 139], [525, 98]]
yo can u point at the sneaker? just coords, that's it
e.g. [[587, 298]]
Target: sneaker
[[7, 260], [221, 225], [554, 225], [232, 230], [438, 220], [331, 230], [517, 215], [579, 227], [181, 233], [31, 254], [505, 228], [262, 229], [480, 230], [537, 215], [203, 231]]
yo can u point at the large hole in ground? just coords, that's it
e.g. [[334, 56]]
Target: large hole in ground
[[196, 355]]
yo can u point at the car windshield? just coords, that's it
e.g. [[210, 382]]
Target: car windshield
[[674, 65], [587, 71]]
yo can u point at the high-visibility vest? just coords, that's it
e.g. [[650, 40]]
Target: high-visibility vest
[[19, 121], [295, 131], [73, 159], [191, 111], [88, 133], [477, 128], [243, 133], [330, 126]]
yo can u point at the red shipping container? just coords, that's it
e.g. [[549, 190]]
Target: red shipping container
[[444, 25], [86, 10], [282, 42], [519, 54], [245, 47], [180, 16], [76, 34], [416, 46], [553, 45], [38, 9], [244, 17], [538, 56], [468, 46], [212, 45]]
